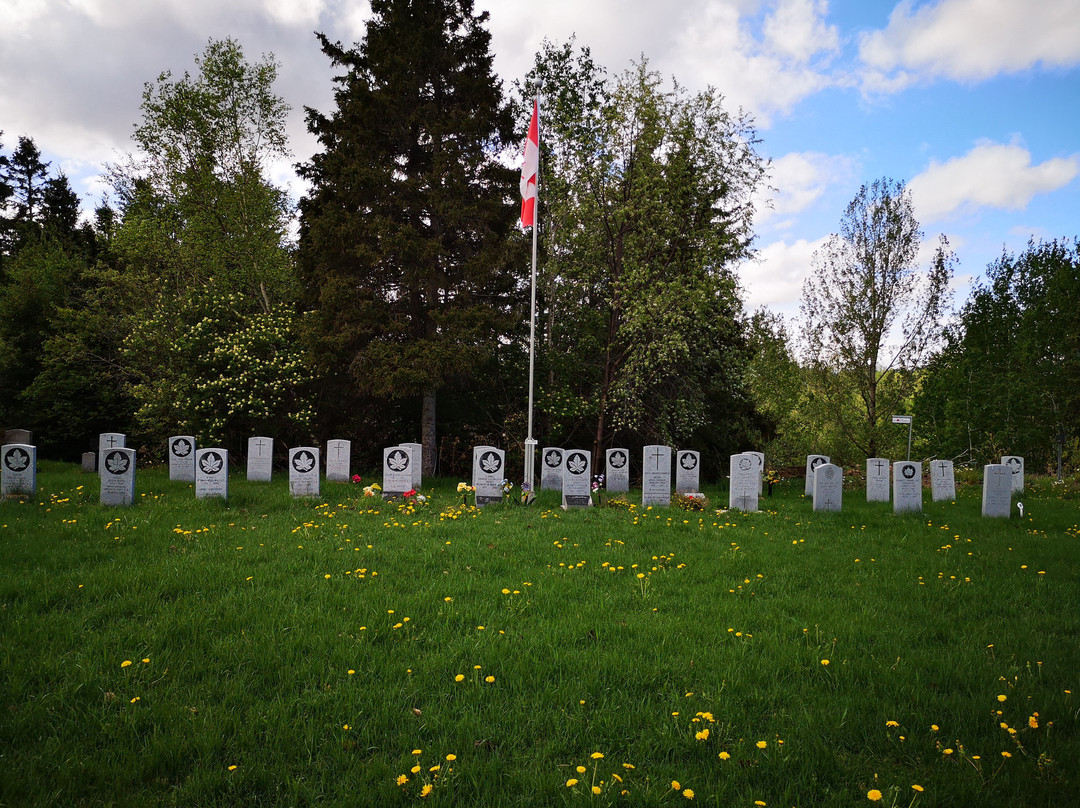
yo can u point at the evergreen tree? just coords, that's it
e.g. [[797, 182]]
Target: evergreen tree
[[404, 234]]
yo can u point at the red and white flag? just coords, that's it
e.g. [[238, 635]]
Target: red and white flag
[[530, 167]]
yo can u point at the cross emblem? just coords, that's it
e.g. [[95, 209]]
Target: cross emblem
[[656, 455]]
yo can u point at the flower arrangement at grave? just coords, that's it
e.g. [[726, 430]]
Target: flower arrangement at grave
[[598, 489], [356, 479], [372, 490], [690, 502], [465, 490]]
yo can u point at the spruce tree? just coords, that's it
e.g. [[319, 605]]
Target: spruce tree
[[404, 234]]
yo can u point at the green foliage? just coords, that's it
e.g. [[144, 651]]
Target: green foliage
[[205, 365], [645, 198], [1008, 380]]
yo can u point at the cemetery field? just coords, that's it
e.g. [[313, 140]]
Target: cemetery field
[[342, 651]]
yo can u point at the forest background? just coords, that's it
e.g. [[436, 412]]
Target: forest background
[[391, 303]]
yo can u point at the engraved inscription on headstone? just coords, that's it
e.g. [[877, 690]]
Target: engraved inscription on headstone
[[617, 470], [907, 486], [211, 473], [397, 471], [942, 481], [489, 471], [18, 469], [812, 462], [997, 491], [577, 479], [551, 468], [304, 471], [182, 458], [1016, 469], [117, 474], [743, 484], [260, 459], [656, 475], [338, 460], [828, 487], [877, 479], [687, 471]]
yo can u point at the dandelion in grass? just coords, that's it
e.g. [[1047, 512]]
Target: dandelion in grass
[[460, 677], [916, 787], [417, 752], [580, 769], [571, 782], [1033, 721], [760, 802], [892, 724], [596, 789], [232, 768], [125, 663], [597, 755], [426, 789], [146, 661], [873, 795], [703, 735], [676, 785], [946, 751], [934, 727], [1006, 755], [451, 757], [825, 662], [415, 769], [401, 780], [762, 744], [1002, 697], [688, 793], [724, 756], [629, 766]]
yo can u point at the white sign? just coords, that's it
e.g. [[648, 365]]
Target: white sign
[[901, 419]]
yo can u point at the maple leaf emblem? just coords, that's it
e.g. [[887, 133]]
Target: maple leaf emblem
[[817, 461], [16, 460], [908, 472], [181, 448], [211, 463], [618, 460], [1015, 463], [576, 463], [688, 461], [553, 459], [303, 462], [490, 463], [116, 462], [398, 461]]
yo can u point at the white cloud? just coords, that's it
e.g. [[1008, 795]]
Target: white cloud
[[969, 40], [797, 30], [990, 175], [775, 278], [800, 178]]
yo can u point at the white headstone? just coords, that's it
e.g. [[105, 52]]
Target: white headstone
[[551, 468], [304, 471], [744, 485], [907, 486], [18, 469], [89, 462], [942, 481], [1016, 468], [656, 475], [211, 473], [416, 463], [397, 471], [107, 441], [488, 473], [687, 471], [812, 462], [877, 479], [617, 470], [182, 458], [759, 463], [339, 461], [577, 479], [997, 491], [260, 459], [117, 472], [828, 487]]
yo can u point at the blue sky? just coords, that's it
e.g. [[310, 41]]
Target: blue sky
[[974, 103]]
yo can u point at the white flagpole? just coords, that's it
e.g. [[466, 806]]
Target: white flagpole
[[530, 441]]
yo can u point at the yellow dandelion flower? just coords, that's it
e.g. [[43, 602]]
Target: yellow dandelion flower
[[675, 785], [451, 757], [460, 677], [824, 662], [125, 663], [506, 591], [703, 735], [426, 789], [873, 795], [571, 782], [946, 751], [1002, 697], [415, 769], [596, 789], [934, 727], [762, 744], [892, 724], [597, 755], [1006, 754], [1033, 722], [628, 766], [351, 671], [146, 661], [724, 756], [688, 793], [580, 770], [916, 787], [401, 780], [759, 802], [232, 768], [416, 752], [489, 679]]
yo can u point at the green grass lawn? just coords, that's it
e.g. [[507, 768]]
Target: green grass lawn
[[272, 651]]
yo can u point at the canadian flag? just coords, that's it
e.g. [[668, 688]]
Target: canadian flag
[[530, 167]]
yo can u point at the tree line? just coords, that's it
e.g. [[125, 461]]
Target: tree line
[[186, 304]]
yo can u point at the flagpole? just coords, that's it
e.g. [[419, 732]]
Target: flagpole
[[530, 441]]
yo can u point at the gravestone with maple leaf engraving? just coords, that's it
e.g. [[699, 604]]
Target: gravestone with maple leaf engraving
[[577, 479], [211, 473], [551, 468], [617, 470], [812, 462], [687, 472], [117, 475], [304, 471], [488, 474], [907, 486], [108, 441], [182, 458], [18, 469], [397, 471]]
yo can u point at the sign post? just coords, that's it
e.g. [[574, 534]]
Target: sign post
[[905, 419]]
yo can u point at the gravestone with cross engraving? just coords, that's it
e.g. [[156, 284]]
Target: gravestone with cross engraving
[[687, 471], [1016, 469], [577, 479], [106, 442], [828, 488], [997, 491], [182, 458], [304, 471], [416, 463], [907, 486], [260, 459], [117, 474], [617, 470], [89, 462], [551, 468], [211, 473], [877, 479], [656, 475], [942, 481], [743, 482], [18, 469], [488, 473], [338, 461], [396, 471], [812, 462]]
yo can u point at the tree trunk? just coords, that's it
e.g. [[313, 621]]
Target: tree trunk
[[427, 430]]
